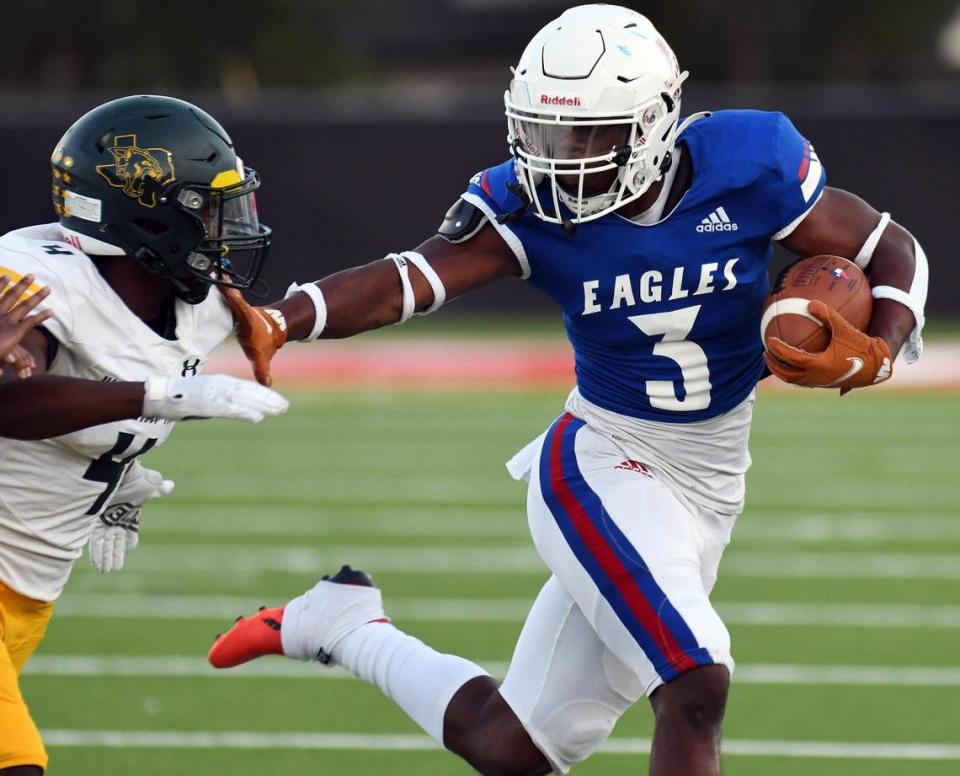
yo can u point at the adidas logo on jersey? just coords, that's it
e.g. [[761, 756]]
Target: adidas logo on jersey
[[717, 221], [634, 466]]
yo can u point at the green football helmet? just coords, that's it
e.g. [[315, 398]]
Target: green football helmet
[[157, 179]]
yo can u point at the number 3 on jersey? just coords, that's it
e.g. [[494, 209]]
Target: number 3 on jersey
[[675, 326], [110, 466]]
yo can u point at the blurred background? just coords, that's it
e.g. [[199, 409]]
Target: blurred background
[[366, 119]]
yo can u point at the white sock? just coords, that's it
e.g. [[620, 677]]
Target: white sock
[[416, 677]]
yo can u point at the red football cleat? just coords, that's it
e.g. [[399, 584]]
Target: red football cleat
[[251, 637]]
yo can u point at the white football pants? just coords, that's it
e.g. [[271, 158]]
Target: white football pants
[[627, 607]]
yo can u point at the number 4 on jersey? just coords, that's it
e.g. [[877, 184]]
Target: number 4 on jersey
[[109, 467], [675, 326]]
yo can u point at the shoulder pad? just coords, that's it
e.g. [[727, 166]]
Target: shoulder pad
[[461, 222]]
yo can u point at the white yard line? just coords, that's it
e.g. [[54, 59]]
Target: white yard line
[[410, 743], [838, 565], [310, 521], [135, 606], [519, 558], [194, 667]]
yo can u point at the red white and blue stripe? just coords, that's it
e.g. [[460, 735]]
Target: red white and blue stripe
[[810, 172], [613, 563]]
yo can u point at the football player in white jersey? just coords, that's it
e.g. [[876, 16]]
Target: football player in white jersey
[[654, 237], [154, 209], [16, 321]]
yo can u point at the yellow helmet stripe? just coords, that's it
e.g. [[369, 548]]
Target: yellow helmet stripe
[[226, 179]]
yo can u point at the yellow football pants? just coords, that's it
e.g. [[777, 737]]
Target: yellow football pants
[[23, 621]]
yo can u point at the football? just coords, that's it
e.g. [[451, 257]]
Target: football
[[836, 282]]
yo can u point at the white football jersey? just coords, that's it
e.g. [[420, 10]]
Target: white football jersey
[[52, 490]]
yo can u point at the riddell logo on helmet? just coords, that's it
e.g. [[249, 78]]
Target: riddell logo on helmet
[[556, 99]]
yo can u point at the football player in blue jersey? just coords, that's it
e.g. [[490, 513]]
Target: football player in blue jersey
[[653, 234]]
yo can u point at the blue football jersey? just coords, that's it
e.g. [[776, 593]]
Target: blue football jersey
[[664, 319]]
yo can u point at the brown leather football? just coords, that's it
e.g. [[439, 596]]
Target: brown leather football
[[836, 282]]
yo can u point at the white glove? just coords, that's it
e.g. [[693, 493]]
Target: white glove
[[210, 396], [117, 530]]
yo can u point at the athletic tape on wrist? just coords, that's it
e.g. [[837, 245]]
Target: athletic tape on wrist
[[155, 388], [439, 292], [866, 252], [319, 305], [409, 300]]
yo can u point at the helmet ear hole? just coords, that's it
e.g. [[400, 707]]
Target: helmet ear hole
[[150, 226]]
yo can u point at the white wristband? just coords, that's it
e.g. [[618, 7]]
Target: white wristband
[[319, 305], [409, 300], [155, 388]]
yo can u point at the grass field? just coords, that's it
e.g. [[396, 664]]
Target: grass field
[[841, 589]]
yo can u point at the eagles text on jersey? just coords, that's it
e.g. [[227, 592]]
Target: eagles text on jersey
[[664, 318]]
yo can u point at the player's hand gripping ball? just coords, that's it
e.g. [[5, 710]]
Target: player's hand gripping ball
[[812, 327]]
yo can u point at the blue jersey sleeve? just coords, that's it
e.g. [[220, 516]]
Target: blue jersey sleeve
[[496, 192], [497, 188], [801, 177]]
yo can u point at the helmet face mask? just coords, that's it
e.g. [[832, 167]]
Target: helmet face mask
[[234, 243], [158, 180], [592, 113]]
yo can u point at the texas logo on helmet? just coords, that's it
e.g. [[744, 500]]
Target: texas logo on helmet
[[140, 172]]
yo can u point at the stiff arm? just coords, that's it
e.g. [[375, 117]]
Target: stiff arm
[[371, 296]]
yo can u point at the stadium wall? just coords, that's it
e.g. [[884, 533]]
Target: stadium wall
[[345, 186]]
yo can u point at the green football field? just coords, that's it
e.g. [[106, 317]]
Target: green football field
[[841, 589]]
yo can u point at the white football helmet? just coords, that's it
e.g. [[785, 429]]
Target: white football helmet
[[596, 90]]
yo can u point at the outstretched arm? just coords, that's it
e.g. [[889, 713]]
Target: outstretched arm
[[370, 296], [47, 405]]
